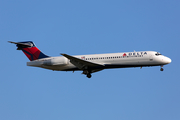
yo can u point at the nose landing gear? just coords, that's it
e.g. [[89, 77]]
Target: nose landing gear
[[162, 68]]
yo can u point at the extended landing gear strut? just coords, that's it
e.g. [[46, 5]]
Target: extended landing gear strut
[[87, 73], [162, 68]]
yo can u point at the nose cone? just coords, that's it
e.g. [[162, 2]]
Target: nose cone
[[166, 60]]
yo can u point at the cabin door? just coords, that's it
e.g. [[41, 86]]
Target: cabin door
[[151, 58]]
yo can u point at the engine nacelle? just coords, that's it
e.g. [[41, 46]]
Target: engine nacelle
[[56, 61]]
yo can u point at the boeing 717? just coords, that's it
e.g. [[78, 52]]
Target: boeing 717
[[89, 64]]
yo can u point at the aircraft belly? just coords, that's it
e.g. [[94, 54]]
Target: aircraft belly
[[58, 68]]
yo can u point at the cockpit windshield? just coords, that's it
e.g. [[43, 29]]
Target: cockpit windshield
[[158, 54]]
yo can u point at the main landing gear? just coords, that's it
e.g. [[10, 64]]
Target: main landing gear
[[87, 73], [162, 68]]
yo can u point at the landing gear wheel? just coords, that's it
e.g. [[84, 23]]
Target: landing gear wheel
[[161, 69], [89, 75]]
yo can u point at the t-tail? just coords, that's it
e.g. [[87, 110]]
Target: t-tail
[[30, 50]]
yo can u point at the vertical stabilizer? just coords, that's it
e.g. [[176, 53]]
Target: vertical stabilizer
[[30, 50]]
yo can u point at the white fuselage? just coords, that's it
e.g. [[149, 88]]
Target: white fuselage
[[113, 60]]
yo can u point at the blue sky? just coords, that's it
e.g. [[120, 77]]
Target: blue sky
[[89, 27]]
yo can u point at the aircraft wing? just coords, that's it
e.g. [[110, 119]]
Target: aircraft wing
[[82, 64]]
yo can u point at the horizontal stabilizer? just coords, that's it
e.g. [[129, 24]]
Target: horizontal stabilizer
[[18, 43]]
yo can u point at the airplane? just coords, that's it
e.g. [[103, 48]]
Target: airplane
[[89, 64]]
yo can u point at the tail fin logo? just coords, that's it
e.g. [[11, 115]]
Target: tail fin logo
[[30, 50]]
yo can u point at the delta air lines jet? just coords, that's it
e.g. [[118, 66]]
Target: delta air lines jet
[[89, 64]]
